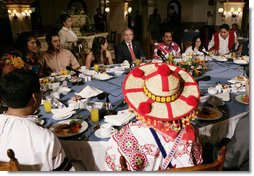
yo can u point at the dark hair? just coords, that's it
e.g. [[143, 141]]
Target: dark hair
[[49, 37], [194, 42], [224, 26], [22, 40], [96, 49], [18, 86], [247, 72], [63, 18]]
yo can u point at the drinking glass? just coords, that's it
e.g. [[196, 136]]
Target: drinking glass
[[96, 67], [94, 115], [47, 105]]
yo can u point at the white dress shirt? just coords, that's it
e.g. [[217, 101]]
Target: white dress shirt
[[223, 46]]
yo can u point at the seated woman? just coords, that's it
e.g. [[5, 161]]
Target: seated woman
[[197, 47], [26, 43], [99, 53]]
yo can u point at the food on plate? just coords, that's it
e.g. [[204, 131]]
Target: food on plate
[[64, 129], [245, 98], [240, 78], [76, 98], [204, 111], [208, 113]]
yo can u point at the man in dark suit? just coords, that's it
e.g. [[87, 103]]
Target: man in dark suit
[[128, 49]]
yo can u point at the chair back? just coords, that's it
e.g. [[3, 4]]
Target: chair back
[[12, 165], [215, 166]]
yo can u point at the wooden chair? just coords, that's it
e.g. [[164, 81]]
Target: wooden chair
[[12, 165], [215, 166]]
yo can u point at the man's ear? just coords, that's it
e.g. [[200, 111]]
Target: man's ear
[[36, 99]]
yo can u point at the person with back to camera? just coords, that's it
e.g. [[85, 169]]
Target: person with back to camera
[[163, 136], [68, 38], [223, 42], [128, 49], [237, 156], [99, 53], [35, 147]]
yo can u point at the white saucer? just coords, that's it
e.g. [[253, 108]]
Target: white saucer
[[99, 135]]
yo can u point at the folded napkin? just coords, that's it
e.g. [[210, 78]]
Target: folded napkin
[[60, 114], [120, 119], [89, 92], [196, 30], [223, 96]]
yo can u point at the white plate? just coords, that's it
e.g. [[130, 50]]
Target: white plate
[[103, 77], [220, 58], [239, 99], [89, 72], [98, 133], [216, 114], [75, 80], [241, 62], [64, 117], [240, 79], [82, 129]]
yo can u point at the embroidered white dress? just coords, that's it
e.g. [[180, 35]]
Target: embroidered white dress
[[137, 144], [36, 148]]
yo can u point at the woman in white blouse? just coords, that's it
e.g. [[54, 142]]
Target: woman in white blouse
[[197, 48], [68, 38]]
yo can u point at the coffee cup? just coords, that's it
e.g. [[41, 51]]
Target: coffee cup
[[82, 104], [106, 129]]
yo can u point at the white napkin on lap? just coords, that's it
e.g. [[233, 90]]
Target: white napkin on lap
[[62, 113], [120, 119], [89, 91]]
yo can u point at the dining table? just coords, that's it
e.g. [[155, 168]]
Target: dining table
[[87, 151]]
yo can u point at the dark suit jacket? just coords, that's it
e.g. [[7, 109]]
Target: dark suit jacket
[[123, 53]]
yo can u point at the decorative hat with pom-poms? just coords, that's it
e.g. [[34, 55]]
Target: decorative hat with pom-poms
[[163, 96]]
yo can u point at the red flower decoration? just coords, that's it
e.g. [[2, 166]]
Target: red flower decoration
[[192, 101], [164, 70], [145, 107], [138, 73]]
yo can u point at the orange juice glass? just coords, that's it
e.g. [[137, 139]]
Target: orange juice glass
[[47, 106], [137, 62], [96, 67], [94, 115]]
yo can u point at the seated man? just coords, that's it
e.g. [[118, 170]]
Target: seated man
[[167, 47], [128, 49], [223, 42], [164, 99], [35, 147], [55, 59]]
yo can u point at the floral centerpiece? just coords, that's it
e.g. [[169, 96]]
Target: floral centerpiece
[[11, 59], [196, 67]]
